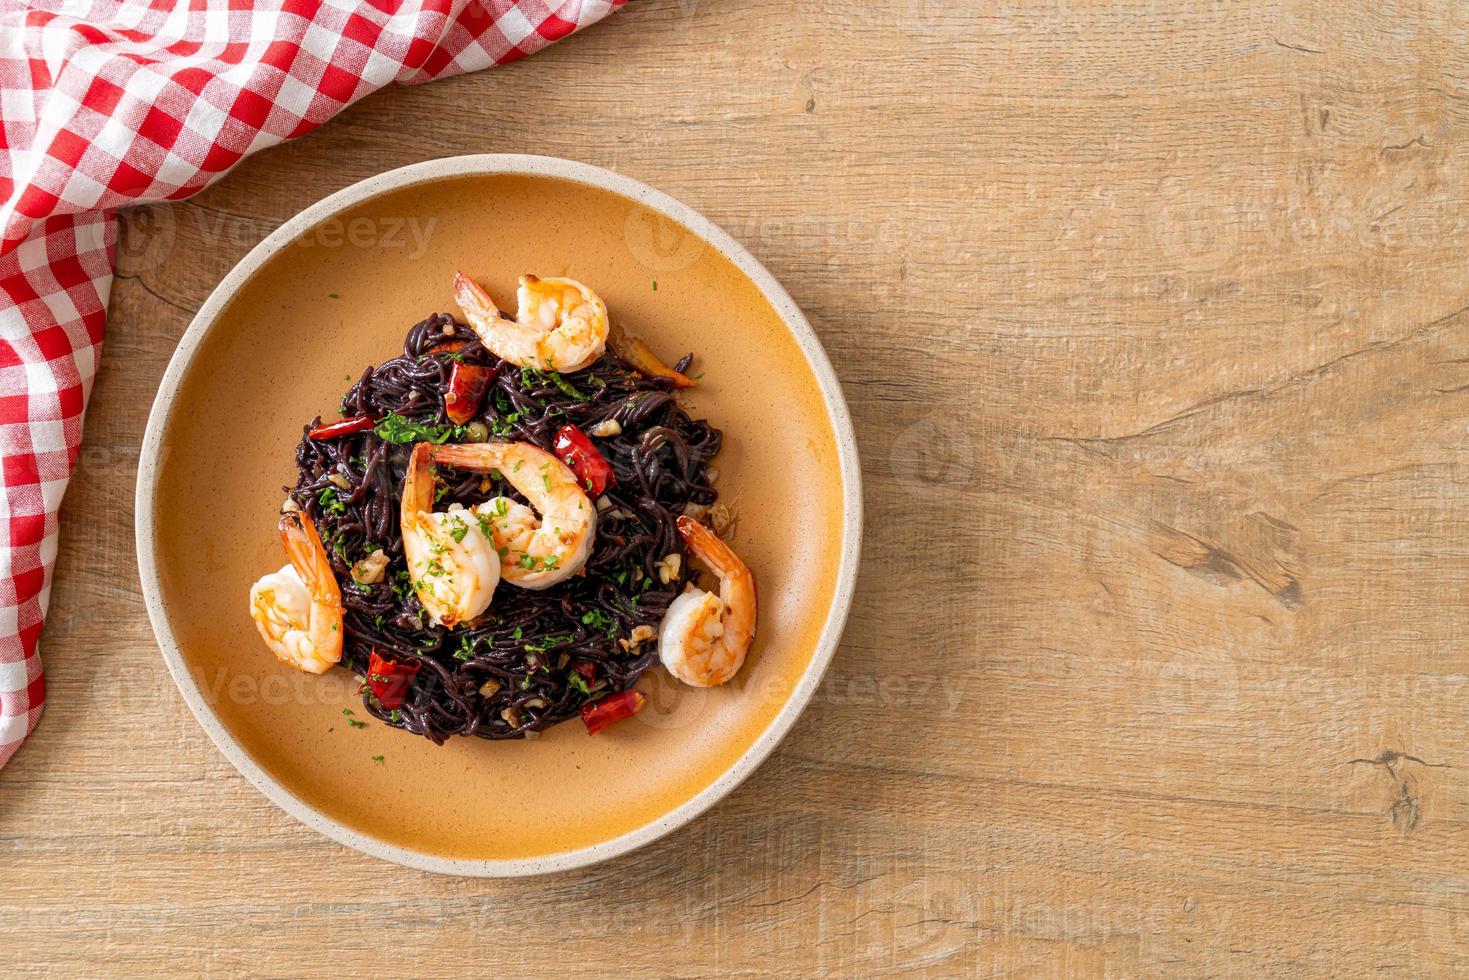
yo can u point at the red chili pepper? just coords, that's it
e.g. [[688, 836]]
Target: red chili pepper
[[467, 386], [585, 668], [575, 450], [611, 709], [389, 680], [332, 430]]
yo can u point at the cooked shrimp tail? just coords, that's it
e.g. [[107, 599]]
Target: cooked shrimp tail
[[474, 301], [418, 482], [560, 324], [704, 638], [298, 609], [453, 565], [641, 357]]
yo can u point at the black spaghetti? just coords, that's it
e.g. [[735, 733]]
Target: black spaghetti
[[535, 658]]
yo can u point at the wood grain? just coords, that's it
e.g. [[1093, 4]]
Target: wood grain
[[1154, 318]]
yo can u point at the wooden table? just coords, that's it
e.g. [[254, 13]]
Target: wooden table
[[1154, 319]]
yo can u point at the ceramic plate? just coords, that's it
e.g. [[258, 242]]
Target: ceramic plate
[[333, 290]]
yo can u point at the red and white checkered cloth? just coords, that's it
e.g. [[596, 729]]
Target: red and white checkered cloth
[[108, 103]]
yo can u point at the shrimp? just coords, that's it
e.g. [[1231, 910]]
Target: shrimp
[[535, 552], [560, 325], [641, 357], [703, 638], [453, 566], [299, 608]]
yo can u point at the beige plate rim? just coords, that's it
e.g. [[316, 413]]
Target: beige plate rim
[[149, 472]]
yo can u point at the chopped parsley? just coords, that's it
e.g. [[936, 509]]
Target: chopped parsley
[[503, 425], [529, 562], [566, 387], [459, 530], [356, 724], [397, 429], [378, 759], [576, 680], [329, 502], [597, 619], [541, 646], [466, 648], [403, 584]]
